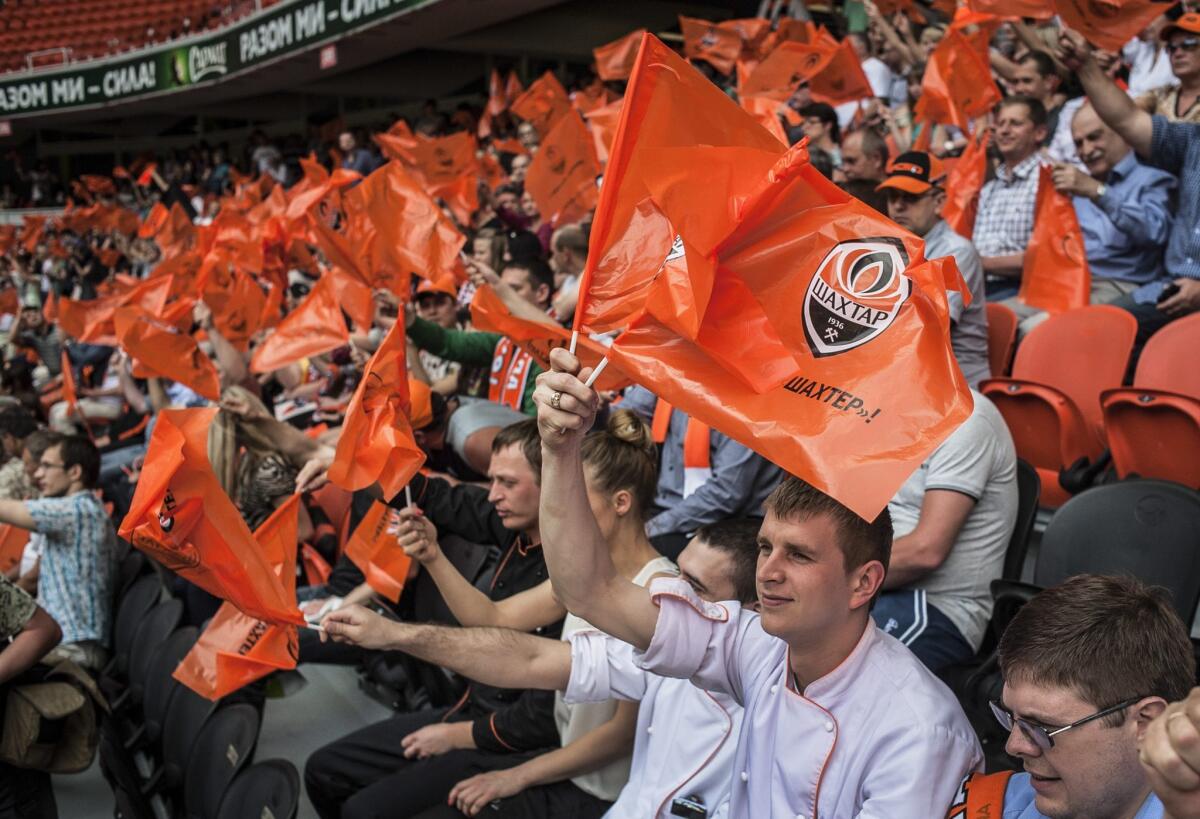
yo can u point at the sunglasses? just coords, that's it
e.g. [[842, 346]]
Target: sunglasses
[[298, 291], [1043, 736], [1187, 44]]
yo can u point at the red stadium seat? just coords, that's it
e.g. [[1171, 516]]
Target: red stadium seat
[[1153, 427], [1052, 401], [1002, 337]]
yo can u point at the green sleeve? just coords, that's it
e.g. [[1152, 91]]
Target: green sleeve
[[527, 405], [464, 346]]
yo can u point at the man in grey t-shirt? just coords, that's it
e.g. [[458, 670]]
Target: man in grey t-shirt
[[915, 198], [953, 519]]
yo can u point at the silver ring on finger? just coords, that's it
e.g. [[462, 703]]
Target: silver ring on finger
[[556, 400]]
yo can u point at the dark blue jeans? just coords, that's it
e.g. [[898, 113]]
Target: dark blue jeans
[[930, 635]]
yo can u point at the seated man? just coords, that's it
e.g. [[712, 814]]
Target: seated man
[[1087, 665], [79, 559], [846, 721], [953, 518], [682, 754], [417, 757], [915, 198], [727, 481], [512, 369], [16, 425]]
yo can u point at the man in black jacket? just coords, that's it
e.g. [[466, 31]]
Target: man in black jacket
[[409, 762]]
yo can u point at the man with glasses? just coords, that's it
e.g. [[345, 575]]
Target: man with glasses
[[915, 197], [78, 568], [1088, 665]]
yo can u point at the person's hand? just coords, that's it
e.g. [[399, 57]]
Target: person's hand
[[313, 474], [386, 298], [410, 315], [473, 795], [1170, 754], [416, 534], [1073, 49], [871, 9], [1074, 181], [357, 626], [481, 273], [240, 406], [432, 740], [202, 315], [315, 610], [566, 408], [1187, 300]]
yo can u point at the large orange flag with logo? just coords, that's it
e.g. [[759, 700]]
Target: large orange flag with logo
[[562, 176], [235, 649], [377, 443], [166, 353], [542, 103], [785, 68], [614, 61], [376, 551], [717, 46], [826, 343], [1109, 24], [315, 327], [1056, 276], [182, 518], [958, 85], [963, 184], [668, 103]]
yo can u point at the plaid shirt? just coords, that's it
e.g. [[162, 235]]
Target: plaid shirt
[[1006, 205]]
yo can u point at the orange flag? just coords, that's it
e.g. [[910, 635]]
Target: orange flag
[[181, 517], [166, 353], [1037, 9], [33, 228], [841, 79], [12, 546], [315, 327], [603, 125], [755, 34], [765, 109], [958, 85], [614, 61], [235, 649], [70, 393], [562, 176], [1109, 24], [668, 103], [542, 103], [1056, 276], [377, 443], [715, 45], [537, 338], [786, 67], [512, 87], [963, 184], [378, 554], [496, 104], [847, 350], [236, 308]]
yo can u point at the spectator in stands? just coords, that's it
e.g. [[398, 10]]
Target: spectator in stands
[[569, 246], [1148, 60], [821, 127], [421, 755], [894, 738], [730, 481], [1036, 76], [32, 331], [78, 565], [519, 166], [915, 198], [1177, 100], [29, 634], [666, 773], [1169, 755], [527, 135], [953, 518], [354, 158], [1087, 665], [1172, 146], [1004, 220], [16, 425], [25, 574], [513, 370], [864, 156], [436, 303]]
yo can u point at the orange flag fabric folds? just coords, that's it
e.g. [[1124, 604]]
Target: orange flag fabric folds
[[614, 61], [963, 184], [235, 649], [378, 554], [377, 440], [562, 176], [182, 517], [166, 353], [1056, 276], [1109, 24], [958, 85], [542, 103], [717, 46], [315, 327]]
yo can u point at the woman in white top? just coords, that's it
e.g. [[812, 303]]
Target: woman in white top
[[620, 468]]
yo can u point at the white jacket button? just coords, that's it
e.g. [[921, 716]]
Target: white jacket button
[[829, 725]]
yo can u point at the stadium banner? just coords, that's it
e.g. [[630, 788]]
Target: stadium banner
[[283, 30]]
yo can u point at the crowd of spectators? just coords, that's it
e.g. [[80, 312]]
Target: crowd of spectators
[[633, 614]]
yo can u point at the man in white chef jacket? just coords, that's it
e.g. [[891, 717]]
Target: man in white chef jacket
[[841, 720]]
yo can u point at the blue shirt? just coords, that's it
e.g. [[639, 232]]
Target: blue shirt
[[1126, 229], [1175, 147], [1018, 802], [78, 571]]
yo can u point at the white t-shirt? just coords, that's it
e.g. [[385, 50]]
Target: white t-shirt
[[1149, 66]]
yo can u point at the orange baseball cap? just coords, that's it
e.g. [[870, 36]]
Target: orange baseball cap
[[444, 284], [1186, 22], [914, 172], [420, 408]]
